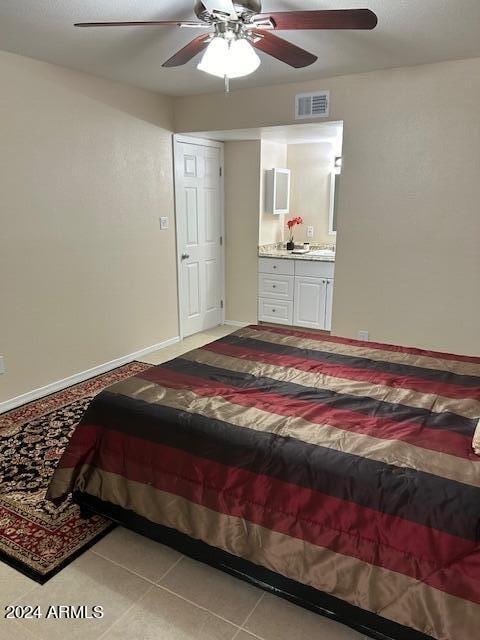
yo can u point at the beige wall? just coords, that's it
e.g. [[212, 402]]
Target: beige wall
[[311, 167], [86, 276], [273, 156], [408, 246], [242, 195]]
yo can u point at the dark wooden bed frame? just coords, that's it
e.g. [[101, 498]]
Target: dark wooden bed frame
[[326, 605]]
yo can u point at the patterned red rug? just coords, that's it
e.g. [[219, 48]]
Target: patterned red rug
[[36, 537]]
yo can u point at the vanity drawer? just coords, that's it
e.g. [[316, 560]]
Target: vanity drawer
[[273, 286], [279, 311], [283, 267], [314, 268]]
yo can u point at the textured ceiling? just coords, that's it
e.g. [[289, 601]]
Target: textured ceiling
[[409, 32]]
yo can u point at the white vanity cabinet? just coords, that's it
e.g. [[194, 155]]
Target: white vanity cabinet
[[296, 292]]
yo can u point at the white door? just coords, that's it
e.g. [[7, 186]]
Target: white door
[[310, 302], [199, 219]]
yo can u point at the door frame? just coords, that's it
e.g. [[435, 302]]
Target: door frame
[[179, 139]]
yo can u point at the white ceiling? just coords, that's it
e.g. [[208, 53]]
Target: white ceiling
[[409, 32]]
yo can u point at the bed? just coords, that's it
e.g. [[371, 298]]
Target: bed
[[336, 473]]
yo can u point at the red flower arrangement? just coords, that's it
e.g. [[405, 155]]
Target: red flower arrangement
[[291, 224]]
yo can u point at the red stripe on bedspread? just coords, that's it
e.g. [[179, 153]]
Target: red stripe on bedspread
[[406, 547], [367, 345], [350, 373], [440, 440]]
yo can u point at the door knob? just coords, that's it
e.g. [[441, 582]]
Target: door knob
[[185, 256]]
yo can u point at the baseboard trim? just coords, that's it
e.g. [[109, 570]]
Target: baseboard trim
[[35, 394], [235, 323]]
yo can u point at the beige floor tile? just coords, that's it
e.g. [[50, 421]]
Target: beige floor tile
[[13, 585], [137, 553], [161, 615], [225, 595], [12, 630], [277, 619], [188, 344], [90, 580]]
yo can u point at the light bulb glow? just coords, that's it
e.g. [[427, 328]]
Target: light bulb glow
[[231, 59], [242, 59], [214, 58]]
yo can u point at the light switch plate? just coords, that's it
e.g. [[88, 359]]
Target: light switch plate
[[2, 365], [364, 335], [309, 231], [163, 223]]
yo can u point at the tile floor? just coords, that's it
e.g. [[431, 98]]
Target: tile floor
[[150, 592], [192, 342]]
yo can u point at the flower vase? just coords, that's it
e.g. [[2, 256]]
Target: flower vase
[[290, 245]]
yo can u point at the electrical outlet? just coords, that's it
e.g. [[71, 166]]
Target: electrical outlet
[[363, 335], [2, 365], [163, 223], [309, 231]]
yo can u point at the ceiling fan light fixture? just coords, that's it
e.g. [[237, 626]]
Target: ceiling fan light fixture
[[236, 25], [229, 57]]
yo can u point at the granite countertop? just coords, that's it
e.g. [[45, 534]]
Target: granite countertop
[[273, 252]]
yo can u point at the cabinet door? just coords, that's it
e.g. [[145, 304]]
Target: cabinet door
[[329, 305], [310, 302]]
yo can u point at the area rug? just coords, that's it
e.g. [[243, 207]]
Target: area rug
[[36, 537]]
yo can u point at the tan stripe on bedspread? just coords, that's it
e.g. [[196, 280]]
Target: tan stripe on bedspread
[[399, 597]]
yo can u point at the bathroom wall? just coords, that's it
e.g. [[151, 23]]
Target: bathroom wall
[[273, 155], [311, 165]]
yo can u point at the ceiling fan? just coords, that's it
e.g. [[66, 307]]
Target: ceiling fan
[[237, 28]]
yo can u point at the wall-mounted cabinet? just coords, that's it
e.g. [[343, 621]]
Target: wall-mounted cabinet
[[277, 191]]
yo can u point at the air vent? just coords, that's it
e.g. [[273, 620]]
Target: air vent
[[312, 105]]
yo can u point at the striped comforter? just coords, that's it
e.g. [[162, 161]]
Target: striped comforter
[[345, 466]]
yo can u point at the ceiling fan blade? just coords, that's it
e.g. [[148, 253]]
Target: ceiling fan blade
[[216, 7], [187, 53], [283, 50], [146, 23], [324, 19]]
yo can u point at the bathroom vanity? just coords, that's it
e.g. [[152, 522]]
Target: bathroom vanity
[[296, 289]]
